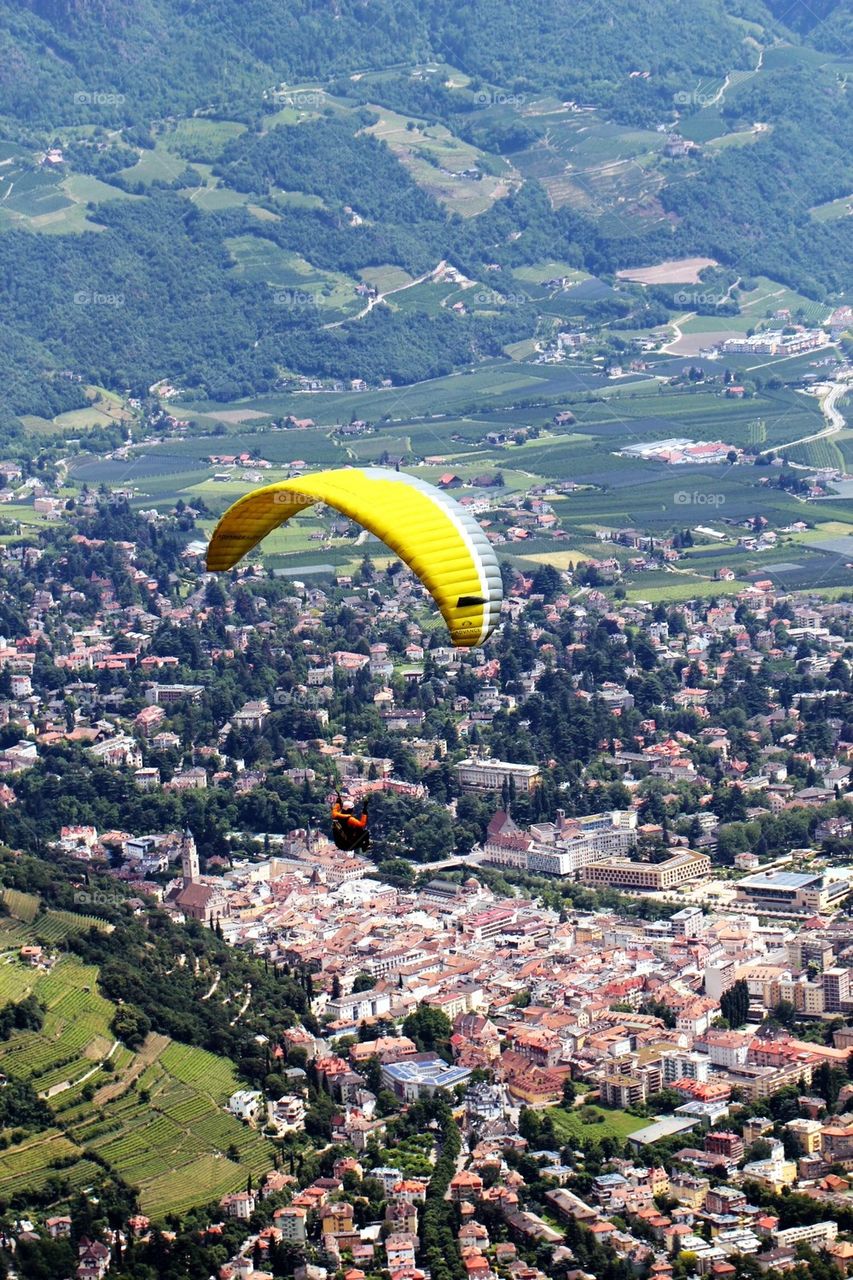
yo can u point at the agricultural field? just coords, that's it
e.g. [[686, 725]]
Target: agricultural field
[[817, 453], [767, 296], [609, 170], [462, 178], [295, 282], [432, 296], [199, 137], [442, 425], [158, 1117], [385, 278], [23, 906], [75, 1034]]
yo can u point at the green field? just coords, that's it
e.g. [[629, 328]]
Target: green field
[[570, 1127], [767, 296], [296, 282], [447, 420], [200, 137], [170, 1144], [461, 177], [23, 906], [833, 209]]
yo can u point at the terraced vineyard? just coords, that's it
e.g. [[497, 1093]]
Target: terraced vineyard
[[75, 1032], [156, 1119]]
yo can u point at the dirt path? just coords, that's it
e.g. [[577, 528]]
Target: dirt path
[[150, 1052], [244, 1005], [380, 297], [214, 985], [676, 325], [56, 1089]]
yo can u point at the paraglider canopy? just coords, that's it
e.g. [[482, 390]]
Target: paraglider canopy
[[439, 540]]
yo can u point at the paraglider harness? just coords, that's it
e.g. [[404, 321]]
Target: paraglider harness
[[349, 832]]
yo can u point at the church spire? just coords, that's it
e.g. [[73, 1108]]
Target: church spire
[[189, 858]]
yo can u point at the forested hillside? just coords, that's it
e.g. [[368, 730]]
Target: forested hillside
[[168, 56], [170, 210]]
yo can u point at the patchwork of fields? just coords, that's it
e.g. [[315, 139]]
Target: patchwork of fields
[[157, 1116], [616, 490]]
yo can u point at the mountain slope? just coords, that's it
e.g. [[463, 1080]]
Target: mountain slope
[[102, 59]]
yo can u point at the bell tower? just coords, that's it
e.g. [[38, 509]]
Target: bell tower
[[189, 858]]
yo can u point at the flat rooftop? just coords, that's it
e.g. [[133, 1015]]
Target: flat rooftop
[[664, 1127], [779, 880]]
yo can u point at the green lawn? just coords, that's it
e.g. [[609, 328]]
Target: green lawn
[[569, 1125], [833, 209]]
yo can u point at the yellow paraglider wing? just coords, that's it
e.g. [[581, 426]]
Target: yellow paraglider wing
[[425, 527]]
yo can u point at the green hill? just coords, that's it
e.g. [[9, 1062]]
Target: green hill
[[100, 59], [211, 184], [151, 1117]]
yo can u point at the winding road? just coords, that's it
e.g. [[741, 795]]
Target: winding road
[[380, 297], [831, 393]]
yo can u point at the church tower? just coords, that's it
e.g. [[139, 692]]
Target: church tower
[[189, 858]]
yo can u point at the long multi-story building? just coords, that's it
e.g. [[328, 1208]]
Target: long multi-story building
[[166, 695], [792, 892], [360, 1005], [475, 774], [775, 342], [624, 873], [819, 1233]]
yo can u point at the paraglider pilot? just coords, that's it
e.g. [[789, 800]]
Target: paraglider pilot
[[348, 831]]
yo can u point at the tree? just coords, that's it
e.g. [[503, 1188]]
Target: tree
[[734, 1003], [430, 1029], [130, 1025]]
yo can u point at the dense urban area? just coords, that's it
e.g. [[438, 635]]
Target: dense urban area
[[578, 1002], [580, 1009]]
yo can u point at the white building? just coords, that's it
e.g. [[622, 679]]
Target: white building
[[815, 1233], [491, 775], [685, 1066], [357, 1007], [288, 1114], [245, 1104]]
